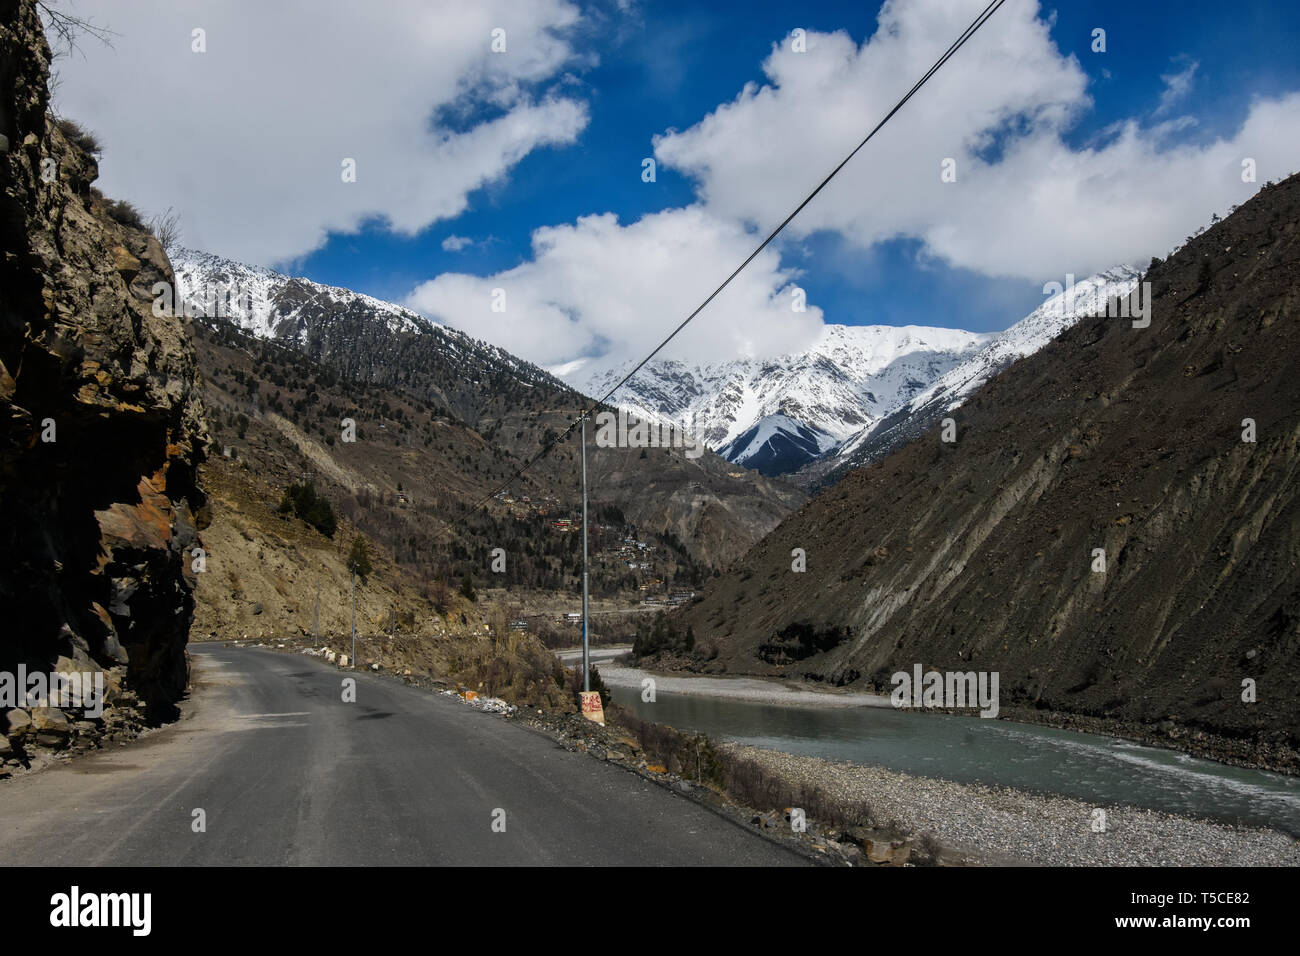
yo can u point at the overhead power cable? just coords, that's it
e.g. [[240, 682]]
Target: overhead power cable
[[957, 44]]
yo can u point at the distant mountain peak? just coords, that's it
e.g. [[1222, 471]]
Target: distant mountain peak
[[778, 415], [1078, 299], [266, 302]]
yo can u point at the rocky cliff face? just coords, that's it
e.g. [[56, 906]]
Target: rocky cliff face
[[101, 428], [1115, 529]]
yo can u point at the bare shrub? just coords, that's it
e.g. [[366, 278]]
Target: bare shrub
[[166, 228]]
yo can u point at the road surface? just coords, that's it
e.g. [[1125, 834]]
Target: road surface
[[286, 773], [603, 652]]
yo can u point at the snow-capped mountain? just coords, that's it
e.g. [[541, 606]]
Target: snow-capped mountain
[[267, 303], [855, 390], [775, 415], [315, 317], [776, 444], [1085, 298]]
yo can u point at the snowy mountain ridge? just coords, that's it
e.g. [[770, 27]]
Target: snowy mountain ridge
[[1086, 297], [272, 305], [252, 295], [806, 403], [828, 401], [853, 392]]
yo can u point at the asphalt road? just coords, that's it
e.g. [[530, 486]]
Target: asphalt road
[[606, 652], [287, 773]]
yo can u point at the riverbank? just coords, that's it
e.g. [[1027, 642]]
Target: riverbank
[[1004, 826], [753, 689], [1271, 751], [1097, 768], [1275, 755]]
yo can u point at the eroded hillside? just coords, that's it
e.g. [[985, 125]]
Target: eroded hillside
[[979, 554], [464, 414]]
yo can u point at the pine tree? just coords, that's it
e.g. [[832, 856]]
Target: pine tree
[[359, 559]]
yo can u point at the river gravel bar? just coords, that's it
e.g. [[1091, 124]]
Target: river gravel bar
[[999, 825]]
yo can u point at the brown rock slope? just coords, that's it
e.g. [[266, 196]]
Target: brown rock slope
[[437, 407], [415, 471], [101, 423], [265, 571], [978, 555]]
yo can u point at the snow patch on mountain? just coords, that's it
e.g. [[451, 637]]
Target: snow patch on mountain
[[808, 402], [776, 444], [832, 399], [1087, 297], [267, 303], [286, 308]]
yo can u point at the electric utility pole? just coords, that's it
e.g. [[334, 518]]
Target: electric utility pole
[[586, 651]]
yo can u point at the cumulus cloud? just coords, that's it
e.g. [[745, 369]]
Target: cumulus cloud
[[1025, 204], [456, 243], [247, 140], [599, 289]]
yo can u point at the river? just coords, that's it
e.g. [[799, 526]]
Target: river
[[1097, 769]]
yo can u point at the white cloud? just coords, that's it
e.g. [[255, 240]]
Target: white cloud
[[246, 140], [1025, 205], [1036, 210], [598, 287], [1177, 86], [456, 243]]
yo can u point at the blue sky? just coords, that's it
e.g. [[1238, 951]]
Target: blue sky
[[628, 73], [675, 62]]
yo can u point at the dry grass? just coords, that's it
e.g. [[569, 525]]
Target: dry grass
[[744, 781], [79, 136]]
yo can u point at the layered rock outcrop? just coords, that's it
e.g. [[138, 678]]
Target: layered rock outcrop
[[101, 427]]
